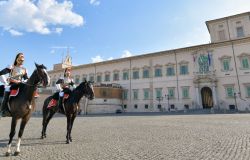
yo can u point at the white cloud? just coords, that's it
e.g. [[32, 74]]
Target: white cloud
[[37, 16], [95, 2], [15, 33], [96, 59], [126, 53], [110, 58], [59, 30]]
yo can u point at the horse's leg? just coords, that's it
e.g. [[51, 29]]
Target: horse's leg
[[51, 114], [71, 126], [20, 133], [45, 115], [68, 127], [12, 133]]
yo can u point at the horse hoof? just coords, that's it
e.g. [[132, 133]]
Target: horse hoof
[[16, 153], [7, 154], [70, 139], [67, 142]]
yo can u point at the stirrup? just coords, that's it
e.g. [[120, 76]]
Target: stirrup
[[30, 106]]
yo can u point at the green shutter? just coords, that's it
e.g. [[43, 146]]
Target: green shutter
[[230, 92], [185, 93], [245, 63], [248, 91], [226, 65]]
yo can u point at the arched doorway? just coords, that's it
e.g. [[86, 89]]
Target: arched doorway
[[207, 97]]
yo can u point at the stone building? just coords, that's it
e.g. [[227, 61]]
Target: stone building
[[214, 75]]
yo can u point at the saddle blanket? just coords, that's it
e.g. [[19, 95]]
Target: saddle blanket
[[14, 92], [52, 103]]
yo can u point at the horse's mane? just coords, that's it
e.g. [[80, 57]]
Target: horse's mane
[[79, 87]]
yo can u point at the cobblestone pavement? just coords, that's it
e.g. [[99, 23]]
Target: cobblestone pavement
[[171, 137]]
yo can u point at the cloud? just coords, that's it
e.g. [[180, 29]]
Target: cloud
[[15, 33], [95, 2], [126, 53], [59, 30], [99, 58], [96, 59], [18, 16]]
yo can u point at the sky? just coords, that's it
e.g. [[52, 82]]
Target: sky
[[99, 30]]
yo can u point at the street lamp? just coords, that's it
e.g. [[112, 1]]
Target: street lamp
[[235, 102], [159, 100], [168, 102]]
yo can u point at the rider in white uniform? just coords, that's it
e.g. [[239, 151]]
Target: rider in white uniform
[[17, 74], [65, 85]]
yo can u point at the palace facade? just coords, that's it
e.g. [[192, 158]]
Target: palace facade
[[214, 75]]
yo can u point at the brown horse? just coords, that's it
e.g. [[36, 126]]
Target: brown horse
[[71, 106], [20, 105]]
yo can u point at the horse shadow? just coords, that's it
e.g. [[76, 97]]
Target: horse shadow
[[4, 142]]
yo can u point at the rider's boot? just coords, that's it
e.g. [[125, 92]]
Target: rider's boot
[[4, 106], [60, 105]]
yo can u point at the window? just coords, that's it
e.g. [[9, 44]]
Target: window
[[135, 74], [125, 106], [53, 83], [99, 78], [125, 75], [159, 106], [146, 106], [146, 93], [185, 92], [184, 69], [125, 94], [170, 71], [84, 77], [248, 91], [91, 78], [158, 92], [158, 72], [204, 62], [135, 106], [240, 32], [116, 76], [222, 35], [107, 78], [171, 92], [135, 94], [226, 64], [145, 73], [77, 79], [229, 91], [245, 64]]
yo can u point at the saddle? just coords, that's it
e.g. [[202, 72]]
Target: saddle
[[53, 102]]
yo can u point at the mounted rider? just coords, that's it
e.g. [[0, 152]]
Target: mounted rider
[[65, 85], [17, 74]]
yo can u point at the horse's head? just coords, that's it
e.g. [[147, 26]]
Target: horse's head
[[42, 75], [87, 87]]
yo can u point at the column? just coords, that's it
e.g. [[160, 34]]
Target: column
[[214, 95], [197, 94]]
